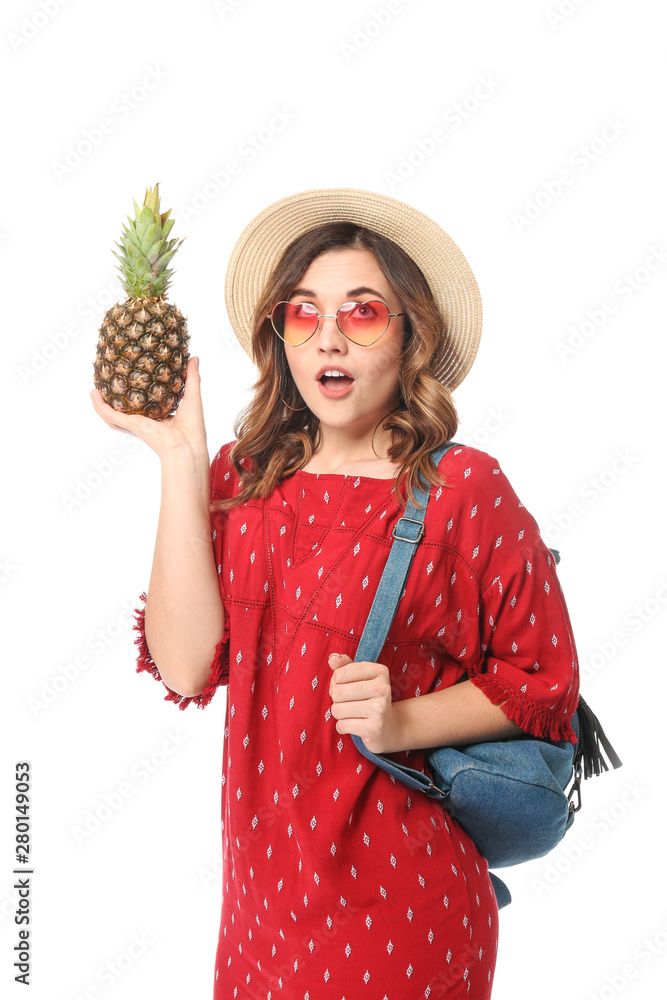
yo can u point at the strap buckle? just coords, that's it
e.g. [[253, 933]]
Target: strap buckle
[[404, 538]]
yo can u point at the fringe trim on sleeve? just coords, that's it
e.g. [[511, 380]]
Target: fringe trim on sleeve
[[218, 673], [532, 716]]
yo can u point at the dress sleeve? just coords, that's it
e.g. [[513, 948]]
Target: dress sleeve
[[529, 660], [219, 667]]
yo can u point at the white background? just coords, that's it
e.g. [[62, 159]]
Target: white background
[[583, 428]]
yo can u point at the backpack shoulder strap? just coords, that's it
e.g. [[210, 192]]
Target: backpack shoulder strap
[[407, 534]]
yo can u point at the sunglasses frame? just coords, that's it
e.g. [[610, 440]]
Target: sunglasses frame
[[327, 316]]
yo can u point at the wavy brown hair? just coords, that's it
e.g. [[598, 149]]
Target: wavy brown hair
[[279, 441]]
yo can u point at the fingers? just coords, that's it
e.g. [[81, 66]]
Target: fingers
[[114, 418], [192, 376], [189, 415], [357, 680], [337, 661], [348, 710], [345, 669], [368, 710], [361, 691], [191, 398]]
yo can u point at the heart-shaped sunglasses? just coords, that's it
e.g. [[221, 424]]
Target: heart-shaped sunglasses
[[361, 322]]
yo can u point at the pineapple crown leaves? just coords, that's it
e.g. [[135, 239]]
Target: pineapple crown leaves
[[145, 250]]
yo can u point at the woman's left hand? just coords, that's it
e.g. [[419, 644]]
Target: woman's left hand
[[362, 703]]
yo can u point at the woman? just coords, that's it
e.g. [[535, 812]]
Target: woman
[[361, 315]]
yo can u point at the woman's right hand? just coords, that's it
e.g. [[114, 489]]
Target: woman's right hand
[[185, 427]]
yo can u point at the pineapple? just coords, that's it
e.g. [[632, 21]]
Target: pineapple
[[142, 348]]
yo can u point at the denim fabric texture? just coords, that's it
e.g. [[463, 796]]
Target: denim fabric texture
[[509, 796]]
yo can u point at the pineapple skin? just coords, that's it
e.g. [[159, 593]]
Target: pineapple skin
[[142, 356], [141, 359]]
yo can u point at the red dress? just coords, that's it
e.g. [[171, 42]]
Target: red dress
[[339, 883]]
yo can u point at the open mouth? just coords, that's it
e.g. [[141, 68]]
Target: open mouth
[[336, 381]]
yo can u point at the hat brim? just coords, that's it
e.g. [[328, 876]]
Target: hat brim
[[450, 278]]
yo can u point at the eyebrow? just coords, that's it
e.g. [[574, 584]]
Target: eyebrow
[[361, 290]]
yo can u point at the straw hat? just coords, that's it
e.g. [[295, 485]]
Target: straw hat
[[452, 283]]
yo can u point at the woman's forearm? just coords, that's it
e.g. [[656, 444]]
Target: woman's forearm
[[184, 612], [458, 714]]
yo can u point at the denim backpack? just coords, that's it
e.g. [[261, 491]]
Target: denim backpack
[[508, 795]]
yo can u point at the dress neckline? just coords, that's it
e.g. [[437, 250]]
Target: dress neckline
[[344, 475]]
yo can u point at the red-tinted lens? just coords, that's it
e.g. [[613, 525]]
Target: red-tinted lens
[[295, 322], [363, 322]]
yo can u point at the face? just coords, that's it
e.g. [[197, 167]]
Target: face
[[333, 278]]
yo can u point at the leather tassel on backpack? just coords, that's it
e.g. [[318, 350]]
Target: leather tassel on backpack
[[591, 734]]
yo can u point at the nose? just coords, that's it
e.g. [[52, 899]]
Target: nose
[[328, 335]]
